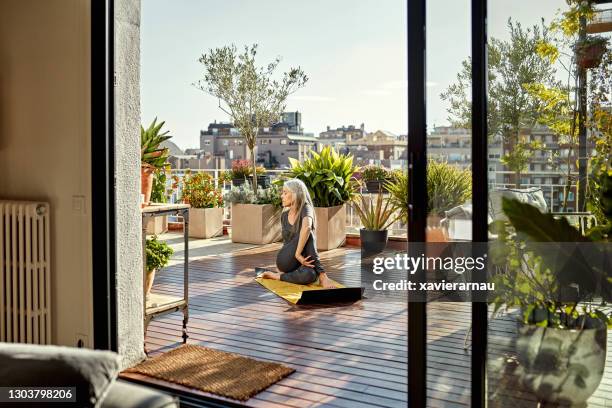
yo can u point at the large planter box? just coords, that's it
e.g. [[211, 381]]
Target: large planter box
[[256, 223], [205, 222], [330, 230], [157, 225]]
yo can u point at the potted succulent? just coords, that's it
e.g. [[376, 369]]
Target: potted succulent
[[329, 178], [206, 201], [376, 217], [153, 156], [158, 256], [590, 51], [557, 278], [374, 177], [255, 216]]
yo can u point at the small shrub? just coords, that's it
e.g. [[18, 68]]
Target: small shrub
[[199, 191], [158, 254]]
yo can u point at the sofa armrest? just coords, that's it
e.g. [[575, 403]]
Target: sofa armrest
[[123, 394]]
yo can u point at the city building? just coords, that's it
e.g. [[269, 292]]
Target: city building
[[338, 138], [275, 145], [380, 147]]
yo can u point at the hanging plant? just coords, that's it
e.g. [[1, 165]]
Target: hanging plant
[[590, 51]]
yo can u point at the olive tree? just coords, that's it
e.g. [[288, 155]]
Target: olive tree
[[248, 93]]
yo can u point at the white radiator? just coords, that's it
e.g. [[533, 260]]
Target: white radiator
[[25, 301]]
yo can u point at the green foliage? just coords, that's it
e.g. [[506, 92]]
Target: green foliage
[[199, 191], [512, 64], [373, 172], [244, 168], [158, 193], [375, 216], [328, 176], [604, 202], [158, 254], [244, 195], [447, 187], [252, 98], [150, 140], [536, 275]]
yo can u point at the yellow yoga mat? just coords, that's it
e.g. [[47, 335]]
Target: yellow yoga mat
[[291, 292]]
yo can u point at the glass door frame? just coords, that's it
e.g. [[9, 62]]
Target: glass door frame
[[417, 214]]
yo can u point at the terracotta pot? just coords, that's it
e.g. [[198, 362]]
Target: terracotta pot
[[146, 182], [149, 281]]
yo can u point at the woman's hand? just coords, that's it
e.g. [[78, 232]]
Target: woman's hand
[[306, 261], [325, 281]]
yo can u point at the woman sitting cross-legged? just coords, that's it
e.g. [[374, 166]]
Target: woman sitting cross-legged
[[298, 259]]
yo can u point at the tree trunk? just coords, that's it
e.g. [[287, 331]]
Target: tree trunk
[[517, 179], [254, 170]]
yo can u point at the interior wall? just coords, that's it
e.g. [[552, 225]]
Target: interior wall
[[130, 331], [45, 141]]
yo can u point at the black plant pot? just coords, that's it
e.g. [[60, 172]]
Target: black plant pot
[[372, 242], [238, 182], [373, 186], [262, 181]]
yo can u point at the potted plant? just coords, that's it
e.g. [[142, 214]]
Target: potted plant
[[206, 201], [242, 171], [374, 177], [329, 178], [375, 220], [556, 277], [153, 156], [158, 256], [255, 216], [590, 51], [158, 225]]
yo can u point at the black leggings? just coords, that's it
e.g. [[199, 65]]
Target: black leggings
[[302, 276]]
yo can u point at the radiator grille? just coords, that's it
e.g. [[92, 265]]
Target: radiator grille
[[25, 301]]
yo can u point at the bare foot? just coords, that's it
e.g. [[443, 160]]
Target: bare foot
[[270, 275]]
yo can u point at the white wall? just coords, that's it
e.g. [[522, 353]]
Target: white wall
[[45, 140]]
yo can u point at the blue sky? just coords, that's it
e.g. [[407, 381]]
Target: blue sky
[[354, 52]]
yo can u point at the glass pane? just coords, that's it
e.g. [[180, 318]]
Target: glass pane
[[543, 346], [449, 175]]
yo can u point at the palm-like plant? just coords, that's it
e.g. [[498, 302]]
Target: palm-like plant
[[150, 140], [328, 176], [375, 216], [398, 194]]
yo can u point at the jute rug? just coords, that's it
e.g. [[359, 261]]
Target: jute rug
[[216, 372]]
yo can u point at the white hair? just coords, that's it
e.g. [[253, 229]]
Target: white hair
[[301, 197]]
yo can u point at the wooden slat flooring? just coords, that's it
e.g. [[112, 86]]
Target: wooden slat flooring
[[345, 356]]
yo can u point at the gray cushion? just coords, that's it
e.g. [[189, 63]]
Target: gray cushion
[[90, 371], [126, 395], [533, 196]]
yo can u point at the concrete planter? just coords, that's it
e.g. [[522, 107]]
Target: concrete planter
[[157, 225], [205, 222], [330, 230], [561, 366], [256, 223]]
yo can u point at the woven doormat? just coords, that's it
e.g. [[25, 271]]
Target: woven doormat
[[216, 372]]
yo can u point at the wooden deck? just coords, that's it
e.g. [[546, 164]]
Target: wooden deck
[[349, 356]]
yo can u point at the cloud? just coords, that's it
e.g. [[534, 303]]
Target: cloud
[[311, 98]]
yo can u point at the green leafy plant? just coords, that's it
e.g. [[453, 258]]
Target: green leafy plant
[[398, 193], [199, 191], [158, 254], [447, 187], [604, 232], [158, 193], [372, 173], [152, 155], [327, 175], [245, 195], [375, 216], [540, 268]]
